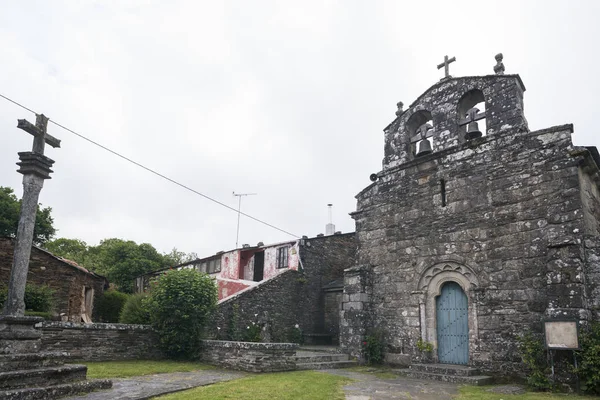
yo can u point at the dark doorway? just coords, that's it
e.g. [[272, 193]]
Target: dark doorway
[[259, 266]]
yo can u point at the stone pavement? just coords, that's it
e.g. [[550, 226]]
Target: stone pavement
[[365, 386], [145, 387], [369, 387]]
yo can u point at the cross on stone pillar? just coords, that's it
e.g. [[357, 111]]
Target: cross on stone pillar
[[35, 167], [446, 65]]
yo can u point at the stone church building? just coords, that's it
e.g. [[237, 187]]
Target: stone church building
[[476, 230]]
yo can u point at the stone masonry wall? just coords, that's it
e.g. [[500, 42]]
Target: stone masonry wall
[[356, 314], [250, 357], [100, 342], [45, 269], [512, 222], [279, 297], [592, 249], [323, 261]]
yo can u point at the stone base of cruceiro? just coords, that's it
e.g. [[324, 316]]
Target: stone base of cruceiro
[[28, 373]]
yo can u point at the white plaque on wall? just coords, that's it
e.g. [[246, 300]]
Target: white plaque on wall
[[561, 335]]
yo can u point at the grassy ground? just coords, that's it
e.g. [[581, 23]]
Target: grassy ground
[[299, 385], [481, 393], [125, 369]]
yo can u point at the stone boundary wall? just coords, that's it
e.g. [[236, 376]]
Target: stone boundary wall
[[100, 342], [249, 356]]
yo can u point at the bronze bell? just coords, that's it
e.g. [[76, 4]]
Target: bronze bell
[[473, 131], [424, 147]]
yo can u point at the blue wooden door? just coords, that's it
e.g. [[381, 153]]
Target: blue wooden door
[[452, 325]]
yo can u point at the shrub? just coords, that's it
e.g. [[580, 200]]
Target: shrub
[[296, 335], [233, 328], [533, 354], [108, 306], [589, 359], [135, 310], [374, 347], [424, 346], [180, 304], [37, 298], [253, 333]]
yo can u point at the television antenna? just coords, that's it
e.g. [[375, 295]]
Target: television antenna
[[240, 195]]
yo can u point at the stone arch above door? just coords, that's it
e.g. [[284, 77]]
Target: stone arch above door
[[437, 273], [429, 287]]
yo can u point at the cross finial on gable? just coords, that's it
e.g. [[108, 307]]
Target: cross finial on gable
[[446, 65]]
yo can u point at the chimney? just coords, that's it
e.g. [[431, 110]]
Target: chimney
[[330, 227]]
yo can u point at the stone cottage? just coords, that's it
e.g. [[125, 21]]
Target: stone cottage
[[476, 230], [74, 286]]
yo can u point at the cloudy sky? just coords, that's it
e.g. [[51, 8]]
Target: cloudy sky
[[284, 99]]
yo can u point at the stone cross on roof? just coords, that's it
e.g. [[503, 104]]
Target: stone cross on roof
[[446, 65]]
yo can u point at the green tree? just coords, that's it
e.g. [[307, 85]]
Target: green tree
[[10, 208], [121, 261], [176, 257], [72, 249], [180, 304]]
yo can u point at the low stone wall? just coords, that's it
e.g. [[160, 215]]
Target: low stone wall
[[250, 357], [100, 342]]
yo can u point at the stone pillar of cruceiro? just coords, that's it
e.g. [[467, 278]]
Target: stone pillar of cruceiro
[[16, 331]]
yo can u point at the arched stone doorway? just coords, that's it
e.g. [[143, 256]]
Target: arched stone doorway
[[458, 280]]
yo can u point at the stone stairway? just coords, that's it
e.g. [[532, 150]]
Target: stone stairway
[[26, 373], [449, 373], [325, 357]]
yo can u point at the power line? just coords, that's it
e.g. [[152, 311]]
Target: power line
[[152, 171]]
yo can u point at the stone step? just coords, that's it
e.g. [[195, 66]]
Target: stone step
[[42, 377], [14, 362], [320, 349], [445, 369], [477, 380], [326, 365], [54, 392], [323, 357]]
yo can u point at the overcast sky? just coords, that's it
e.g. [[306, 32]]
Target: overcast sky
[[284, 99]]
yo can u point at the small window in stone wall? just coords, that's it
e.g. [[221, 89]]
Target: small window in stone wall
[[282, 257]]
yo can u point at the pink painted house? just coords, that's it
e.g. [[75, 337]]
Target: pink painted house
[[239, 269]]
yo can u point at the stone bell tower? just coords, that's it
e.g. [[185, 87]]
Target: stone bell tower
[[475, 230], [439, 119]]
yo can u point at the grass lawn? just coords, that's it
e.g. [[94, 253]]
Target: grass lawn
[[309, 385], [481, 393], [125, 369]]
